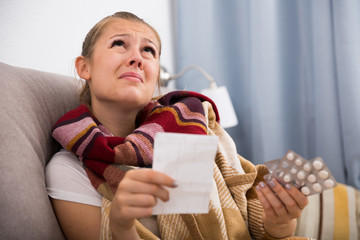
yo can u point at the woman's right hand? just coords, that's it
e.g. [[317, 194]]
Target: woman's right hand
[[135, 197]]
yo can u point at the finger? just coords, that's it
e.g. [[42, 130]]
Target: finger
[[290, 201], [136, 187], [151, 176], [140, 200], [125, 214], [300, 199], [276, 204], [268, 210]]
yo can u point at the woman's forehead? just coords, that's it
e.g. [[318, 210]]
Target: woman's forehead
[[123, 26]]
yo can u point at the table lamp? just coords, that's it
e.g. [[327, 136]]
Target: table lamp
[[219, 95]]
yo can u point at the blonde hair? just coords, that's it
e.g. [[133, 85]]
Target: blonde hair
[[92, 37]]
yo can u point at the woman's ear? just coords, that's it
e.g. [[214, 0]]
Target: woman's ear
[[82, 68]]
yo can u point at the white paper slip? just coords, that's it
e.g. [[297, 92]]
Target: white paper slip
[[189, 159]]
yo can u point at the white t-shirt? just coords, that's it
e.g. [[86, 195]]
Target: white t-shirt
[[67, 180]]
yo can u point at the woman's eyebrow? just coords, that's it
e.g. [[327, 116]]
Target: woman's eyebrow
[[150, 41], [120, 35], [146, 39]]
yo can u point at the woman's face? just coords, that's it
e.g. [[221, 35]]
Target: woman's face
[[124, 67]]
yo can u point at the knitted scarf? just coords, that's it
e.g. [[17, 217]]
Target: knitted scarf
[[107, 158]]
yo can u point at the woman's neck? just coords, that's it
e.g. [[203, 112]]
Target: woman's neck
[[120, 123]]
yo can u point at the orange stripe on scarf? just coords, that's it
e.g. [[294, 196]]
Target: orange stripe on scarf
[[78, 136], [177, 119]]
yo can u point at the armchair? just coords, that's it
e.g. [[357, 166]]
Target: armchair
[[30, 102]]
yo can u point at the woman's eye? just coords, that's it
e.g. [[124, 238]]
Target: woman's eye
[[118, 43], [150, 50]]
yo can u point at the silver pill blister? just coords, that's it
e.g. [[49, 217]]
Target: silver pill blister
[[310, 176]]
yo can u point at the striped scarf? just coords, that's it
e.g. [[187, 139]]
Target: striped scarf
[[107, 158]]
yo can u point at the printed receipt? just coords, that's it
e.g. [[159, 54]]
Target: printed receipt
[[189, 159]]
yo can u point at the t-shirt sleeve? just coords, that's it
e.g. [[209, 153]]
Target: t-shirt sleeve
[[67, 180]]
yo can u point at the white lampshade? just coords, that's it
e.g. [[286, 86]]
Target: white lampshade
[[219, 95], [224, 105]]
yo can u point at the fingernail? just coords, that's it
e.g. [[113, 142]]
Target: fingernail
[[272, 183], [175, 184], [288, 186], [262, 184]]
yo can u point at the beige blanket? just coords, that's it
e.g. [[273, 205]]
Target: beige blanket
[[235, 212]]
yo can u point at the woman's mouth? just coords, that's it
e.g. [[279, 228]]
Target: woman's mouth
[[132, 76]]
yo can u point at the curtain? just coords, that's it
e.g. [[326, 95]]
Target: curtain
[[292, 68]]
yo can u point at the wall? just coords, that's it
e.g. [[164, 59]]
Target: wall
[[47, 35]]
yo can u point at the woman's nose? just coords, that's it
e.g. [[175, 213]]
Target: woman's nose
[[135, 59]]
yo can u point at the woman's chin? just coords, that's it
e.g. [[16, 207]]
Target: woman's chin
[[127, 98], [133, 101]]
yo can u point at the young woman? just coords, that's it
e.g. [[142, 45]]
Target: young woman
[[120, 64]]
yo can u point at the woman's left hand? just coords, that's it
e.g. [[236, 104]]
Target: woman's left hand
[[282, 206]]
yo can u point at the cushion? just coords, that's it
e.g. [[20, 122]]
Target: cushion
[[30, 102], [333, 214]]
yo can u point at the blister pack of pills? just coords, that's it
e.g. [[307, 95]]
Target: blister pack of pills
[[310, 176]]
